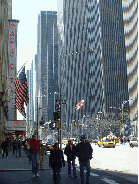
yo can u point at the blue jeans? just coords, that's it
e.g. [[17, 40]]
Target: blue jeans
[[87, 165], [34, 163], [69, 167]]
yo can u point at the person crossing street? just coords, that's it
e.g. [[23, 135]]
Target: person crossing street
[[84, 153]]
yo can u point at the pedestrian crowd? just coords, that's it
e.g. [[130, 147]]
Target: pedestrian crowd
[[35, 151]]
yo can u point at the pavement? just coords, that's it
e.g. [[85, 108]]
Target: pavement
[[23, 173]]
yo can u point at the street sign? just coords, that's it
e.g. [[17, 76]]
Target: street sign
[[56, 106]]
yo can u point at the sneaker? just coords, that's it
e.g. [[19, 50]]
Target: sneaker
[[37, 175], [33, 176], [69, 175], [75, 176], [82, 182], [87, 182]]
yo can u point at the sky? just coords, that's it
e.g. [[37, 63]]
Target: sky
[[27, 11]]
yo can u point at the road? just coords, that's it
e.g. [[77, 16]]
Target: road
[[18, 170]]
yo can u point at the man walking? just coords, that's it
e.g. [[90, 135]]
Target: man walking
[[19, 147], [55, 162], [34, 150], [70, 153], [4, 147], [84, 153]]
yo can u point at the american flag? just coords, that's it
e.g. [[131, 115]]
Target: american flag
[[80, 104], [21, 92]]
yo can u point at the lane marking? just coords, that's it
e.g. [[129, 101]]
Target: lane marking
[[92, 174], [109, 181]]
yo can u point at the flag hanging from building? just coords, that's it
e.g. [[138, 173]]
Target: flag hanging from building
[[80, 104], [21, 92]]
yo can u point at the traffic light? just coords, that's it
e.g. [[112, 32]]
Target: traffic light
[[56, 115]]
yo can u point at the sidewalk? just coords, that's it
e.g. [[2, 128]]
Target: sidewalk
[[19, 163], [23, 169]]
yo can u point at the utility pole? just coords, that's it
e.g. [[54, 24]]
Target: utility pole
[[37, 117]]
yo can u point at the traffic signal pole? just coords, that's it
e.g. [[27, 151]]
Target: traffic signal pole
[[60, 108]]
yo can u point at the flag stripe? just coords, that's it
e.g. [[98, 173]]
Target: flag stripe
[[21, 92]]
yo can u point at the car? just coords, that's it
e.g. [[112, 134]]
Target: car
[[50, 146], [64, 142], [106, 143], [133, 142]]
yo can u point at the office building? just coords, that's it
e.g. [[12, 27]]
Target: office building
[[47, 64]]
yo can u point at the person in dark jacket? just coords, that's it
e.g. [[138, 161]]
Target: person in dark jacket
[[84, 153], [70, 153], [19, 147], [55, 162], [4, 147]]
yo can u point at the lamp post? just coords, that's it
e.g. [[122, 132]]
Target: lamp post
[[124, 102], [91, 50], [71, 127], [82, 123]]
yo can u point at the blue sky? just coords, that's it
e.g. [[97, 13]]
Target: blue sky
[[26, 11]]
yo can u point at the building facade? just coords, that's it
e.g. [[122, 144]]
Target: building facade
[[47, 64], [81, 73], [5, 14], [113, 55], [130, 18]]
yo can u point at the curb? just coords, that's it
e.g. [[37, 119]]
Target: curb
[[4, 170]]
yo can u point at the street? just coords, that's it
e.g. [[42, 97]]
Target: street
[[18, 170]]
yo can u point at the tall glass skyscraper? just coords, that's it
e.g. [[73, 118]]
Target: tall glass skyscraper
[[82, 77], [113, 54], [47, 63]]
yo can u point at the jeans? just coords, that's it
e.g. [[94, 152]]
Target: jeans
[[34, 163], [56, 175], [69, 167], [87, 165]]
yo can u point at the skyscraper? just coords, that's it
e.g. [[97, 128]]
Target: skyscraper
[[82, 77], [47, 63], [113, 54]]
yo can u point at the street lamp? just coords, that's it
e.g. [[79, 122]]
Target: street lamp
[[91, 50], [71, 127], [124, 102], [82, 123]]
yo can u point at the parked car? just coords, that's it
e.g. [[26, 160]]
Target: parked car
[[106, 143], [50, 146], [133, 142]]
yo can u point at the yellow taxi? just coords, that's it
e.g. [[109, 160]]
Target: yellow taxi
[[64, 142], [106, 143], [50, 146]]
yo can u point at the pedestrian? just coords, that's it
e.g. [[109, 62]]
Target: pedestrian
[[4, 147], [34, 150], [56, 159], [69, 151], [19, 147], [15, 146], [41, 153], [84, 153]]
